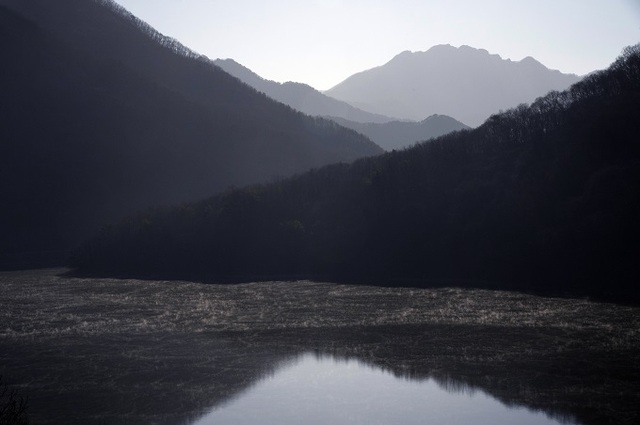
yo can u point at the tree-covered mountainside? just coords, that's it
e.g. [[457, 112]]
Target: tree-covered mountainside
[[542, 197], [464, 83], [400, 134], [101, 116]]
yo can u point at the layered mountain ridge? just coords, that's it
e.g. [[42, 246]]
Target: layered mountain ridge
[[402, 134], [539, 198], [385, 131], [102, 116], [299, 96]]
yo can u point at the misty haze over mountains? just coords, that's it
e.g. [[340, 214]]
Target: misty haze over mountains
[[299, 96], [102, 116], [401, 134], [465, 83], [387, 132], [144, 178]]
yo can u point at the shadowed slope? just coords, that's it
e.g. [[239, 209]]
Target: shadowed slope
[[102, 116]]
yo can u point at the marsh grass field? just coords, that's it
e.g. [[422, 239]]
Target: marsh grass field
[[87, 350]]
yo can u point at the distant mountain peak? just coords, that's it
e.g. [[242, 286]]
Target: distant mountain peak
[[464, 48], [467, 48], [404, 54], [447, 52], [467, 83], [239, 71], [529, 61]]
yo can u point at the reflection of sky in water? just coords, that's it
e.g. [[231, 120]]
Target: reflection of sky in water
[[325, 391]]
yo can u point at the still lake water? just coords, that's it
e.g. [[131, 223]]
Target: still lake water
[[321, 390], [108, 351]]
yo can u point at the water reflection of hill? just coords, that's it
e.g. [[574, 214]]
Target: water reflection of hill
[[565, 374], [319, 389], [109, 351]]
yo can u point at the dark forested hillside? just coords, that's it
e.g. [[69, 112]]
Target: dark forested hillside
[[542, 197], [101, 116]]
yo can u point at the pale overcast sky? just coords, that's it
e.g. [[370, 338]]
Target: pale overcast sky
[[322, 42]]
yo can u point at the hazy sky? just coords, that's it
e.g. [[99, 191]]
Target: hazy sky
[[322, 42]]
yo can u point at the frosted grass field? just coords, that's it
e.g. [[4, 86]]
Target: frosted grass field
[[125, 351]]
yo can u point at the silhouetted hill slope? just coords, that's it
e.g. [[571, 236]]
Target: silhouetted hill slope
[[400, 134], [465, 83], [299, 96], [542, 197], [100, 117]]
